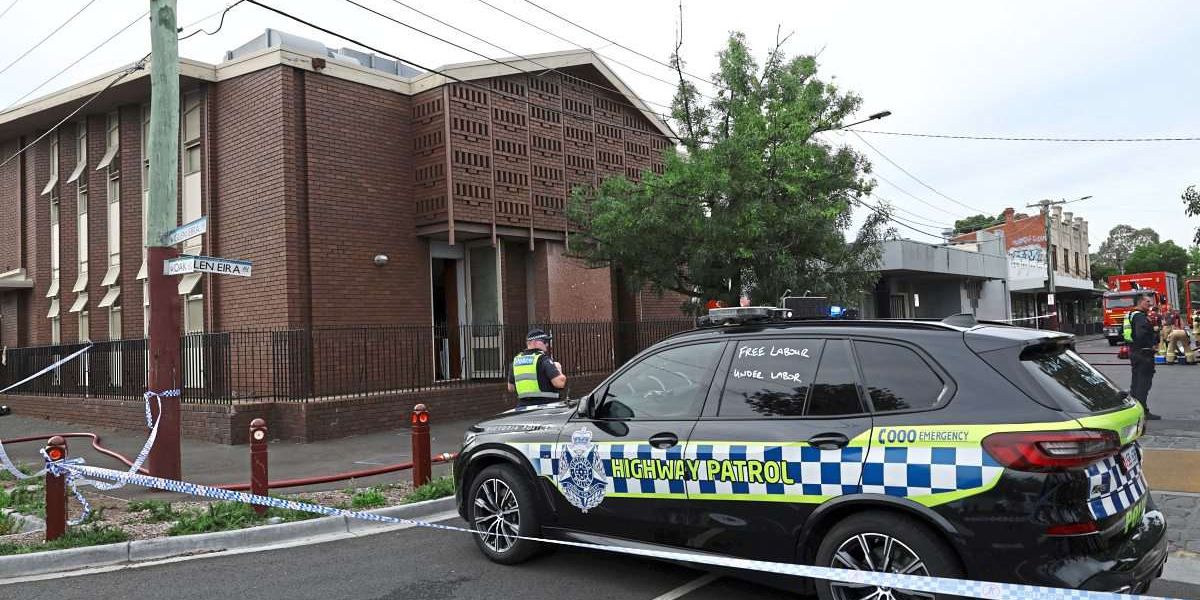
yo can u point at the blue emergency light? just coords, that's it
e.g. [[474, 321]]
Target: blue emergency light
[[835, 312]]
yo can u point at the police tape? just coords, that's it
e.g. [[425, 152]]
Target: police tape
[[888, 581], [1046, 316], [5, 462]]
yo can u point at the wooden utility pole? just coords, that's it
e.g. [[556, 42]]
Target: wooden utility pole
[[161, 217], [1051, 256]]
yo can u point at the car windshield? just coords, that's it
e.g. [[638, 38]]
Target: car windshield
[[1076, 385], [1119, 302]]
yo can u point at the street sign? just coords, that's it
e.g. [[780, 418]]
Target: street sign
[[206, 264], [186, 232]]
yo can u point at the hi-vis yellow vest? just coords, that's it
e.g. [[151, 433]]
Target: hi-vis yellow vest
[[525, 378], [1127, 326]]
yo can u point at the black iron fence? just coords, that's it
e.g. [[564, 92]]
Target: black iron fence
[[299, 365]]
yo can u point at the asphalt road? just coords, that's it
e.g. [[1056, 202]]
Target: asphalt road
[[413, 564], [1174, 393]]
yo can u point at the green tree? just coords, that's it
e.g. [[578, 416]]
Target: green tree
[[756, 201], [1121, 242], [1101, 270], [1191, 203], [1193, 268], [975, 223], [1164, 256]]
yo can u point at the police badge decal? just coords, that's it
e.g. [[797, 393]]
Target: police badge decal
[[580, 473]]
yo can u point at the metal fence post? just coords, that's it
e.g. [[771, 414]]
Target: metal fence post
[[258, 462], [420, 446], [56, 491]]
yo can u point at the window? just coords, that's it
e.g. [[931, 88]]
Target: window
[[1066, 260], [1071, 381], [897, 378], [52, 183], [1077, 271], [81, 228], [670, 384], [1054, 257], [114, 232], [114, 323], [85, 328], [81, 153], [835, 390], [56, 331], [113, 143], [770, 378], [55, 254], [193, 314], [191, 170], [114, 358]]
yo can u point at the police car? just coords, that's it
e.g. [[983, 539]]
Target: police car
[[952, 448]]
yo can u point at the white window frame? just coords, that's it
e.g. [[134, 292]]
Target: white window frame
[[115, 332], [113, 227], [191, 191], [55, 246], [81, 154], [85, 328], [81, 240], [53, 181], [112, 141]]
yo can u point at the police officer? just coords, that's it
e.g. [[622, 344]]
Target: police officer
[[1142, 339], [535, 377]]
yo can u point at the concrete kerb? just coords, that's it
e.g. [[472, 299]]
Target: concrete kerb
[[317, 530]]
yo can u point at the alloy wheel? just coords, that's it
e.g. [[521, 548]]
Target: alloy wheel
[[882, 554], [497, 515]]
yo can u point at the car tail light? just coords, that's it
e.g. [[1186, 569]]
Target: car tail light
[[1051, 450], [1070, 529]]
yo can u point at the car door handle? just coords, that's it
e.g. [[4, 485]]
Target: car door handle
[[829, 441], [664, 440]]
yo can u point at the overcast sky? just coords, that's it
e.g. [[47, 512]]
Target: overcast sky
[[1065, 68]]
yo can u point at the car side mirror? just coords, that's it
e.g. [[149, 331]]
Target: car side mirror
[[587, 405]]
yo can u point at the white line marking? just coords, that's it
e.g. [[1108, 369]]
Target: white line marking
[[333, 537], [688, 587]]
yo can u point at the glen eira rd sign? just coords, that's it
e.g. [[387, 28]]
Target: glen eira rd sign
[[206, 264]]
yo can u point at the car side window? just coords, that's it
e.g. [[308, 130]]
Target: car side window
[[670, 384], [835, 390], [770, 377], [897, 378]]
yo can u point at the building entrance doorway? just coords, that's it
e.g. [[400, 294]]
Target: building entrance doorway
[[467, 311]]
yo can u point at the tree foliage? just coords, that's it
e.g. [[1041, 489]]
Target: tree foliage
[[1191, 203], [1164, 256], [1101, 269], [1193, 269], [975, 223], [1121, 242], [755, 202]]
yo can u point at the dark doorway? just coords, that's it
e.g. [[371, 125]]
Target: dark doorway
[[446, 323]]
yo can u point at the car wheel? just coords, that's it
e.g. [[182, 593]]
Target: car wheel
[[883, 542], [501, 507]]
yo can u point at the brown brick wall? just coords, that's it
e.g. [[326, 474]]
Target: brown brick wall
[[10, 209], [577, 293], [68, 249], [654, 306], [251, 174], [132, 325], [10, 324], [360, 202], [37, 241], [97, 228]]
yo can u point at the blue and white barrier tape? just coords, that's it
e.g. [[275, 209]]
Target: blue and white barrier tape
[[933, 585], [4, 460]]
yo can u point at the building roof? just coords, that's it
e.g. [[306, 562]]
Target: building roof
[[278, 48]]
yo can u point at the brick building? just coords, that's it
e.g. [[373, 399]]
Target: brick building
[[365, 193], [1028, 251]]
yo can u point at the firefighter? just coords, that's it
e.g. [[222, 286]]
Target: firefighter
[[1180, 342], [1139, 333], [535, 377], [1168, 322]]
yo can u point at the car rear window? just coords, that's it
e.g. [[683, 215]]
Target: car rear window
[[1076, 385]]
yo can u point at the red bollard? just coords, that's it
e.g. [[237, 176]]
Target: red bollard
[[420, 446], [56, 492], [258, 462]]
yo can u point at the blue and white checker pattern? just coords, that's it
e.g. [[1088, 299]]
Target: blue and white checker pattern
[[909, 472], [915, 471], [1113, 489]]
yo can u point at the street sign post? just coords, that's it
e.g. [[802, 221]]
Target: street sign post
[[185, 264], [186, 232]]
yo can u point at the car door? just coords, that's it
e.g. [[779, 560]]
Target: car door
[[630, 449], [790, 431]]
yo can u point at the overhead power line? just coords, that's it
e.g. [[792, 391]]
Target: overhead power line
[[915, 197], [50, 35], [674, 84], [416, 65], [480, 54], [914, 177], [995, 138], [617, 44], [892, 218], [5, 12]]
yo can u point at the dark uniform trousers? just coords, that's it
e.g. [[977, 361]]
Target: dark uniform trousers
[[1142, 361]]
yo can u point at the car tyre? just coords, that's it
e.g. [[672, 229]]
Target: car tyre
[[502, 506], [913, 549]]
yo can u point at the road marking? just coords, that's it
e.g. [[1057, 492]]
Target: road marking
[[333, 537], [688, 587]]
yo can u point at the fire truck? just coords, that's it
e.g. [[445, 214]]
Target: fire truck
[[1124, 290]]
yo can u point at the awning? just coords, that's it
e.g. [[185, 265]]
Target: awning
[[111, 276], [143, 271], [80, 284], [77, 172], [109, 154], [110, 297], [53, 291], [54, 309], [188, 284], [80, 302], [15, 280], [50, 184]]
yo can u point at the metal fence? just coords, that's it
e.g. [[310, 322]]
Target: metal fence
[[300, 365]]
